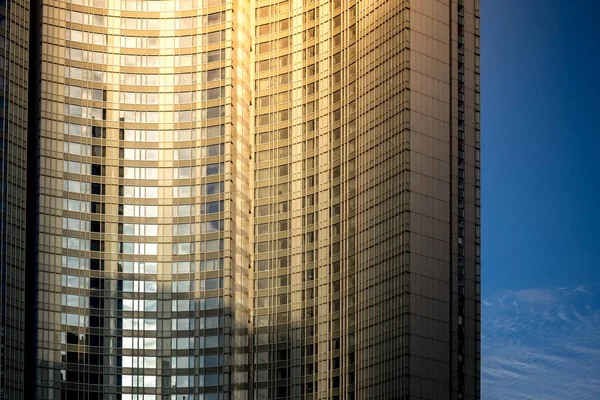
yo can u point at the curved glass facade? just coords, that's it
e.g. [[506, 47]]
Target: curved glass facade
[[366, 149], [305, 206], [259, 199], [144, 202]]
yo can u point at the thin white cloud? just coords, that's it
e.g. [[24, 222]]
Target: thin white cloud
[[561, 315], [543, 296], [579, 316], [582, 290], [583, 350], [548, 350]]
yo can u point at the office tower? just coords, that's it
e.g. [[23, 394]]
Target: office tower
[[14, 39], [234, 199], [143, 200], [366, 246]]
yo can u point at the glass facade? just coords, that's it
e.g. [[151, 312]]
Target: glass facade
[[144, 152], [466, 198], [233, 199], [14, 44], [305, 199], [366, 223]]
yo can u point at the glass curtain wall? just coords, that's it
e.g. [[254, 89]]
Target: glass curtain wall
[[143, 263]]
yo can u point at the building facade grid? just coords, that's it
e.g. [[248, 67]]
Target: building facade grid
[[240, 199]]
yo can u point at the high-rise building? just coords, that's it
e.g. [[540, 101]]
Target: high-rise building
[[366, 242], [14, 40], [142, 272], [243, 199]]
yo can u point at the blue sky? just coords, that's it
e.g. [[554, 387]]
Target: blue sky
[[540, 206]]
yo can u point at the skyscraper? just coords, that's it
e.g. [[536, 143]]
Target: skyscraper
[[143, 190], [366, 278], [234, 199]]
